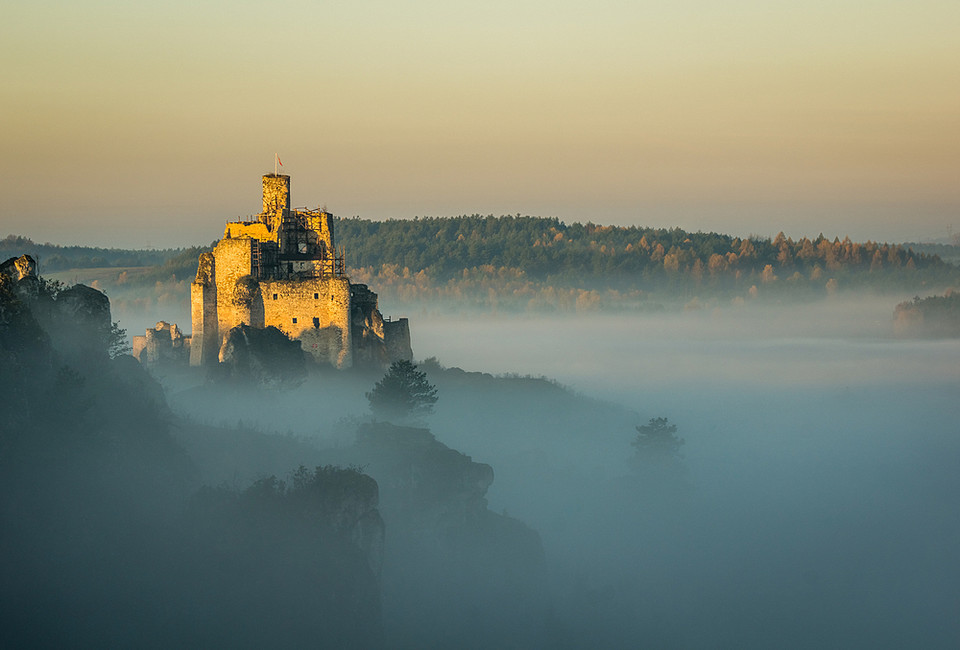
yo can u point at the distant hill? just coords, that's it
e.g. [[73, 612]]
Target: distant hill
[[947, 252], [53, 257], [547, 247], [153, 264], [542, 264], [534, 263]]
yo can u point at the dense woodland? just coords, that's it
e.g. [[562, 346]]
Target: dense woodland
[[530, 263], [59, 258], [548, 248], [517, 263], [930, 317]]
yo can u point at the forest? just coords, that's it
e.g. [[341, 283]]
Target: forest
[[548, 248], [930, 317], [532, 264], [515, 263]]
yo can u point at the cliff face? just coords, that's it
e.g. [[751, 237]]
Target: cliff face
[[431, 484]]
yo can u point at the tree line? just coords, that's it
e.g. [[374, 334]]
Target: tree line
[[537, 262], [544, 247]]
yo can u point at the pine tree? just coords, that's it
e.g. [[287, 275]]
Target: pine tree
[[403, 393]]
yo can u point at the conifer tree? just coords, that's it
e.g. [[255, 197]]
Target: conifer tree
[[403, 393]]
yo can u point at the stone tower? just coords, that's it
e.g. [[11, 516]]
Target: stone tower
[[276, 199]]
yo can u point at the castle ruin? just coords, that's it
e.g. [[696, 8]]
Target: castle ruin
[[283, 269]]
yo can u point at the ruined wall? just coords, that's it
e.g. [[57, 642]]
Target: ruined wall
[[164, 343], [233, 263], [205, 339], [255, 230], [396, 338], [226, 295], [139, 348], [296, 307]]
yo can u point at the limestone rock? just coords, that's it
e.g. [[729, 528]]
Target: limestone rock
[[264, 356], [324, 344], [21, 273], [18, 268], [445, 484], [85, 307]]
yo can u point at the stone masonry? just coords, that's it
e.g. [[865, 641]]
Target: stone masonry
[[284, 270]]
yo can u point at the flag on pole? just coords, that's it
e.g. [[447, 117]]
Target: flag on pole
[[279, 161]]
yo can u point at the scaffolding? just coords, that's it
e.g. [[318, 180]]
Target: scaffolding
[[256, 268]]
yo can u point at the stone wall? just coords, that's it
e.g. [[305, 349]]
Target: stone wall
[[254, 230], [396, 338], [296, 307], [232, 263], [205, 339], [162, 344]]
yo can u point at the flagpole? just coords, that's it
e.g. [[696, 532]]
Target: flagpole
[[276, 157]]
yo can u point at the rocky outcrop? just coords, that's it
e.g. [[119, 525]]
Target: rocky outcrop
[[77, 319], [85, 307], [18, 268], [265, 356], [20, 275], [433, 484], [366, 323], [346, 501]]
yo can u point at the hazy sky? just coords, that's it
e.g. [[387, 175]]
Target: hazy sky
[[149, 124]]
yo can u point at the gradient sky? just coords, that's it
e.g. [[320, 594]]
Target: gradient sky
[[149, 124]]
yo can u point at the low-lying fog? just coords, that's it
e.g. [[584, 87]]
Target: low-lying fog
[[842, 342], [817, 506], [824, 457]]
